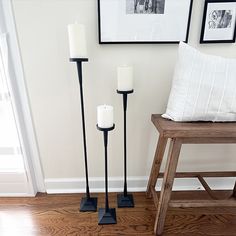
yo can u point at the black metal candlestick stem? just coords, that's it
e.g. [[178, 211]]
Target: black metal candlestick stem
[[125, 199], [87, 203], [106, 215]]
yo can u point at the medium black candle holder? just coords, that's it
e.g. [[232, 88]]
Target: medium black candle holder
[[125, 199], [106, 215], [87, 203]]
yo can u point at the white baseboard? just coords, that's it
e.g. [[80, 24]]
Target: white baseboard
[[135, 184]]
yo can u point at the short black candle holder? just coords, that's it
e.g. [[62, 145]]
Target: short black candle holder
[[106, 215], [87, 203], [125, 199]]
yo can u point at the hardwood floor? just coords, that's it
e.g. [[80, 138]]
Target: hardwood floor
[[59, 215]]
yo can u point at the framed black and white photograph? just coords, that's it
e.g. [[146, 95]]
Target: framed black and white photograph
[[144, 21], [218, 24]]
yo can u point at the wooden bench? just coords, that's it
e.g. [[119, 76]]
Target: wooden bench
[[185, 133]]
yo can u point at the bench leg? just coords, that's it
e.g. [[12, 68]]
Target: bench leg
[[166, 189], [156, 165]]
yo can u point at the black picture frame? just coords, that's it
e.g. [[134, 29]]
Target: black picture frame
[[205, 35], [102, 41]]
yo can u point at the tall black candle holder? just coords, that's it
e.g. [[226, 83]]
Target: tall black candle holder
[[106, 215], [87, 203], [125, 199]]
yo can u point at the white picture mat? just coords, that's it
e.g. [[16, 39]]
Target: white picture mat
[[220, 33], [116, 25]]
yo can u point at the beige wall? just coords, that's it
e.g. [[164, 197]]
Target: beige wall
[[54, 95]]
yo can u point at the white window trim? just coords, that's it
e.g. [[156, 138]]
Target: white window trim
[[28, 138]]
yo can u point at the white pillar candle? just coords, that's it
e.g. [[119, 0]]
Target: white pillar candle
[[77, 41], [125, 78], [105, 116]]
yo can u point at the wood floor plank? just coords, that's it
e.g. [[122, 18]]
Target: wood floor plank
[[58, 215]]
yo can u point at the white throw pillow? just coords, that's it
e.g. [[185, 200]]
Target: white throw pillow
[[203, 87]]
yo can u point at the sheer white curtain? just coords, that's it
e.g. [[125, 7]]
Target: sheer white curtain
[[20, 167], [10, 150]]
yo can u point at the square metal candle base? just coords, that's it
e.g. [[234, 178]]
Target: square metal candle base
[[88, 204], [106, 218], [125, 201]]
